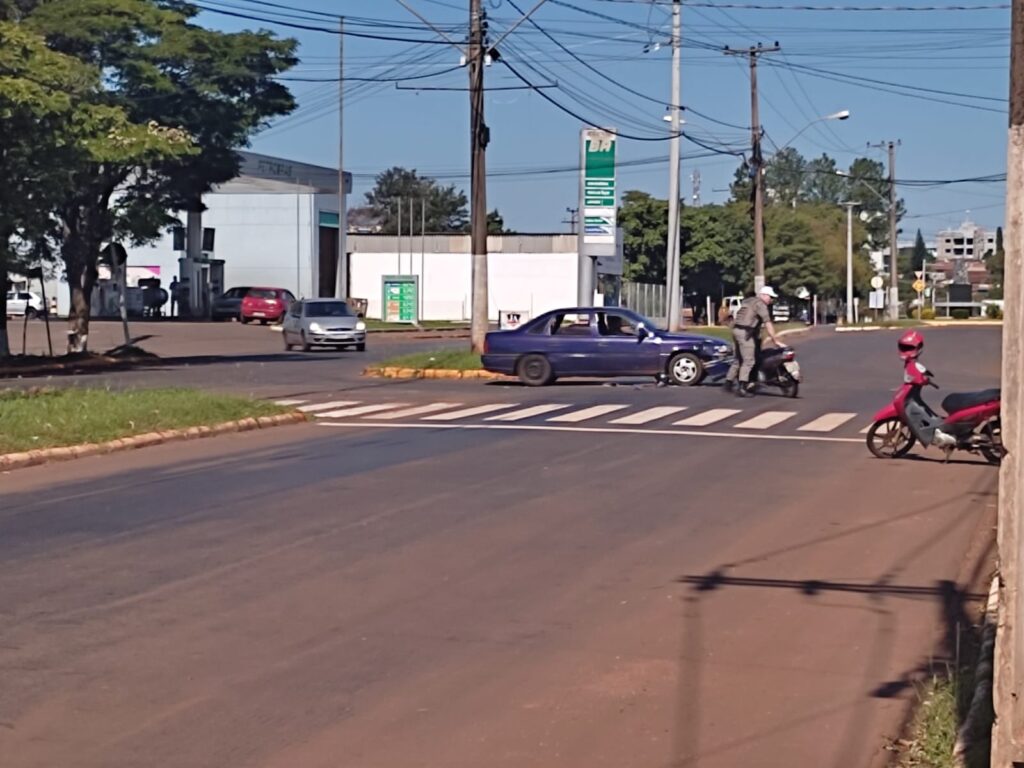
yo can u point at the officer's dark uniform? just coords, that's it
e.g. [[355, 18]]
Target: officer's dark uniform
[[746, 334]]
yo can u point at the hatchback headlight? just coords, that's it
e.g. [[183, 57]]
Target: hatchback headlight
[[360, 326], [315, 328]]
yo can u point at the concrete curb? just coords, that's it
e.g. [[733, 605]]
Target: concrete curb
[[432, 373], [968, 734], [11, 461]]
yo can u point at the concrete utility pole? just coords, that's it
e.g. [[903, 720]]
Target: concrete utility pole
[[756, 158], [478, 140], [341, 279], [672, 252], [849, 260], [1008, 736], [894, 277]]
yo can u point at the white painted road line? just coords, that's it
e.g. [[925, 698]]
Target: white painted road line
[[649, 415], [289, 402], [526, 413], [766, 420], [315, 407], [867, 428], [361, 410], [707, 417], [466, 413], [595, 430], [827, 423], [587, 413], [419, 410]]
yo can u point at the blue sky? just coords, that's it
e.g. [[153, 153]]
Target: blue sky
[[940, 55]]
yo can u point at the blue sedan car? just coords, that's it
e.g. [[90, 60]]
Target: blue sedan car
[[602, 342]]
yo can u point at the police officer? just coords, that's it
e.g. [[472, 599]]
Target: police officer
[[746, 333]]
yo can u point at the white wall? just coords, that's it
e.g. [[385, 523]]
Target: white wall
[[534, 282]]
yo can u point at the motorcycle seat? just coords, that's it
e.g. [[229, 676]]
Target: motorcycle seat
[[959, 401]]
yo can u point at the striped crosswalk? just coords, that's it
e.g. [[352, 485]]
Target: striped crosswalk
[[626, 417]]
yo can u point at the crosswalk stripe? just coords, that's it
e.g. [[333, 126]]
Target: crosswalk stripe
[[289, 402], [648, 415], [707, 417], [827, 423], [417, 411], [327, 406], [587, 413], [867, 429], [766, 420], [526, 413], [361, 410], [466, 413]]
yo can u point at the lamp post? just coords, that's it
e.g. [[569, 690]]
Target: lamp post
[[849, 205]]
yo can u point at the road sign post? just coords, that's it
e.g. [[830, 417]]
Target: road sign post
[[598, 203]]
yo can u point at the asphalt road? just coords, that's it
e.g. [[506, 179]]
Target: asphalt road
[[388, 593]]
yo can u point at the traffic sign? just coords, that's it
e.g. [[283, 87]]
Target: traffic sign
[[919, 285], [877, 282]]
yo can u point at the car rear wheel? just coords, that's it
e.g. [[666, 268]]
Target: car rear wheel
[[305, 344], [534, 370], [31, 314], [245, 320], [686, 369]]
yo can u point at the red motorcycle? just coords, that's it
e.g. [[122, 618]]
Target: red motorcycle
[[972, 422]]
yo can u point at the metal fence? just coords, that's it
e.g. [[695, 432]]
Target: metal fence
[[646, 298]]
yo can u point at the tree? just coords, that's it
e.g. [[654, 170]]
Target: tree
[[869, 186], [496, 223], [644, 222], [197, 94], [784, 177], [920, 254], [717, 252], [822, 182], [793, 259], [446, 207]]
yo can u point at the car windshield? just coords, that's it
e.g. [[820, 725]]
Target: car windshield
[[262, 293], [637, 318], [328, 309]]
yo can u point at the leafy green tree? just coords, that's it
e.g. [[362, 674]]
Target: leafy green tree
[[717, 252], [446, 207], [869, 186], [784, 177], [822, 182], [793, 258], [644, 222], [920, 254], [496, 223], [197, 95]]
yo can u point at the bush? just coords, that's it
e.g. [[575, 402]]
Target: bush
[[993, 312], [961, 314], [927, 313]]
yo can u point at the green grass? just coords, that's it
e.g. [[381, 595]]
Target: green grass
[[449, 359], [55, 418], [435, 325]]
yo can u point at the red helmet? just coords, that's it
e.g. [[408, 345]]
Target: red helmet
[[910, 345]]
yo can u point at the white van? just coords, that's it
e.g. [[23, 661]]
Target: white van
[[733, 304]]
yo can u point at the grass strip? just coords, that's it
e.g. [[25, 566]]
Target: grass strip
[[447, 359], [55, 418], [434, 325]]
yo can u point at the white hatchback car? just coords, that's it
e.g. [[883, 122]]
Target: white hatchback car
[[20, 303]]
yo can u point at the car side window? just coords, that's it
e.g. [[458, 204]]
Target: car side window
[[614, 324], [295, 310], [571, 324], [287, 296]]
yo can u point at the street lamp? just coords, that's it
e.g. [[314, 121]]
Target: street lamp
[[849, 205], [843, 114]]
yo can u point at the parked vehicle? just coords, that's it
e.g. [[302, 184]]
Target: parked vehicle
[[602, 342], [228, 306], [268, 305], [22, 303], [733, 304], [323, 323], [778, 367], [972, 423]]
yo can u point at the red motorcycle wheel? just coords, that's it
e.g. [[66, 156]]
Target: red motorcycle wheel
[[890, 439]]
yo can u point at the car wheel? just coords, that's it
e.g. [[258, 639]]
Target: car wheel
[[361, 347], [534, 370], [31, 314], [244, 320], [685, 369], [287, 344], [305, 344]]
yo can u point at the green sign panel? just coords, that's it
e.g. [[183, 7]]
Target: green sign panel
[[598, 192], [400, 299]]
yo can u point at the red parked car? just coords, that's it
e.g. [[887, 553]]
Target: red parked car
[[266, 305]]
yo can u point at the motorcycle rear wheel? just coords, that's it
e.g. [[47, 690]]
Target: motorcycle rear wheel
[[890, 439], [790, 386], [994, 451]]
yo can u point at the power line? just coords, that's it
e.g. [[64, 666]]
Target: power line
[[840, 8]]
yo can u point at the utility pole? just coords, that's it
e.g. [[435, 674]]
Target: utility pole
[[672, 252], [478, 140], [341, 279], [1008, 694], [849, 260], [756, 158], [894, 277], [572, 220]]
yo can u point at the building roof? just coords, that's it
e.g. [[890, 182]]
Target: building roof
[[265, 174]]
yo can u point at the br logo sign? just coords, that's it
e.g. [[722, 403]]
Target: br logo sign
[[511, 319]]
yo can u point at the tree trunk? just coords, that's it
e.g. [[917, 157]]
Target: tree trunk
[[79, 261]]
